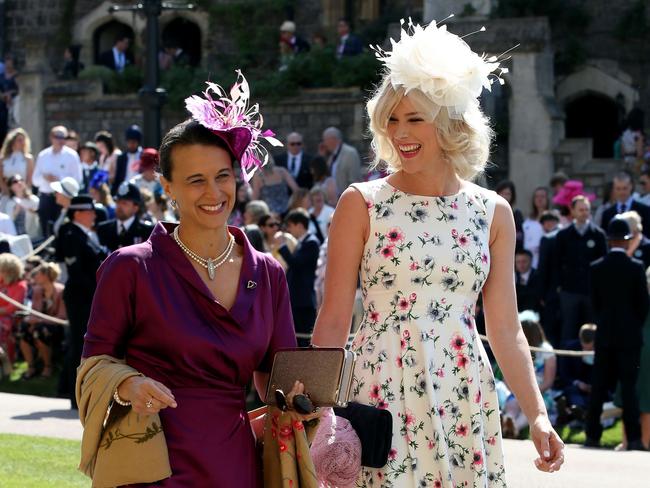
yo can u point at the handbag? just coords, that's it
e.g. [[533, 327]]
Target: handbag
[[374, 427], [326, 373]]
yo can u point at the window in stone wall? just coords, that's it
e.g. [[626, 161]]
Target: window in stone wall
[[595, 116], [105, 35], [185, 35]]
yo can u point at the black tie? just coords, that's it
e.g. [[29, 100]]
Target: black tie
[[122, 231], [623, 208], [292, 165]]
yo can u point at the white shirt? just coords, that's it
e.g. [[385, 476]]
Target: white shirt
[[126, 224], [141, 183], [7, 225], [323, 220], [91, 234], [120, 59], [131, 159], [533, 233], [16, 164], [297, 163], [64, 163]]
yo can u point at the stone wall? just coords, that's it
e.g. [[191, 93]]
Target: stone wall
[[81, 106]]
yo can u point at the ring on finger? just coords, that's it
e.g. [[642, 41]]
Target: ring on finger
[[149, 403]]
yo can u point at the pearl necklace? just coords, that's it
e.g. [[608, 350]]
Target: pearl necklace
[[210, 264]]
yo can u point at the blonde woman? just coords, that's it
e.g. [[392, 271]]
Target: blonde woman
[[427, 241], [37, 334], [16, 158]]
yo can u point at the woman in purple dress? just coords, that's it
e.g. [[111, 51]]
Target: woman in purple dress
[[195, 309]]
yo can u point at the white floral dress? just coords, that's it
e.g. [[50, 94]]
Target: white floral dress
[[420, 357]]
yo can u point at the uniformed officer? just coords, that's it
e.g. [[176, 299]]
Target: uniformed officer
[[127, 228], [79, 248]]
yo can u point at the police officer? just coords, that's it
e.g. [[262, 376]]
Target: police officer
[[79, 248], [127, 228]]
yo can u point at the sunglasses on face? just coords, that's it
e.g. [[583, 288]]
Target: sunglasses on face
[[295, 143], [58, 136]]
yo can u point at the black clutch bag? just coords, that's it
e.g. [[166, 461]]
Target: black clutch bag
[[375, 430]]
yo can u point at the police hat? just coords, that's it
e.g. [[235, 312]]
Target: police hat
[[128, 191], [80, 202], [133, 133], [618, 230], [68, 187]]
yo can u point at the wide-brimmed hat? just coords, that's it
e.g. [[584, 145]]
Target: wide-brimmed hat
[[570, 190], [68, 187], [619, 230]]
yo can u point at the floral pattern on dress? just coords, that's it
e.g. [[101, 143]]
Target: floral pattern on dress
[[419, 356]]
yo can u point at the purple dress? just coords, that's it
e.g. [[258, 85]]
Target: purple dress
[[152, 308]]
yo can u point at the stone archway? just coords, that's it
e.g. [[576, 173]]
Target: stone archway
[[105, 35], [186, 35], [595, 116]]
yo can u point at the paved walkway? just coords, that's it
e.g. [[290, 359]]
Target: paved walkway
[[595, 468]]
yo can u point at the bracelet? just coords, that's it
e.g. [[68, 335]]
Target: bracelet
[[119, 401]]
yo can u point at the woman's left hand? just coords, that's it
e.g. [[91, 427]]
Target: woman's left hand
[[299, 389], [548, 444]]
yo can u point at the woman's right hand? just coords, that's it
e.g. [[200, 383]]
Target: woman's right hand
[[147, 396]]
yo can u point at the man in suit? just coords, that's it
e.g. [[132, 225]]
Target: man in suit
[[296, 161], [78, 247], [117, 58], [127, 229], [301, 272], [527, 282], [343, 159], [125, 166], [349, 44], [624, 201], [548, 279], [619, 295], [576, 247]]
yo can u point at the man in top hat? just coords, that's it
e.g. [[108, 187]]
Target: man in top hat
[[148, 178], [78, 247], [126, 229], [125, 166], [619, 296]]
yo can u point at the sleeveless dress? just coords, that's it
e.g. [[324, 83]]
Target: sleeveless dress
[[419, 355]]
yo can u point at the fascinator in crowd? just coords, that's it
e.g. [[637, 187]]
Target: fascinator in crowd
[[441, 65], [149, 159], [570, 190], [229, 116], [99, 178]]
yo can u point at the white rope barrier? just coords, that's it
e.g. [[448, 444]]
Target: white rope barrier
[[557, 352], [33, 312], [41, 246]]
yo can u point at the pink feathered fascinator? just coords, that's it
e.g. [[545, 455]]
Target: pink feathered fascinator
[[228, 116], [336, 452], [570, 190]]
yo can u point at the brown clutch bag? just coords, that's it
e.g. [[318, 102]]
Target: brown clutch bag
[[325, 372]]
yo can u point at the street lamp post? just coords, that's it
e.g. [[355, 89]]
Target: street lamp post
[[151, 96]]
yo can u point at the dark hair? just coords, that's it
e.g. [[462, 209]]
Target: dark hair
[[533, 332], [186, 133], [509, 185], [119, 37], [255, 237], [587, 333], [319, 168], [549, 215], [107, 138], [624, 176], [298, 216], [72, 136], [525, 251], [558, 178], [264, 219], [534, 214]]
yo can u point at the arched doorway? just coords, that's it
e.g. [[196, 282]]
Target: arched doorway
[[594, 116], [186, 35], [105, 35]]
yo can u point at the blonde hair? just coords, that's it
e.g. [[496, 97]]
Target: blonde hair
[[51, 270], [6, 150], [11, 267], [633, 219], [465, 143]]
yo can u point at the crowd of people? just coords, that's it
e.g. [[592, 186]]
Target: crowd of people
[[95, 198]]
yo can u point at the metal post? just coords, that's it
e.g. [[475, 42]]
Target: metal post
[[151, 96]]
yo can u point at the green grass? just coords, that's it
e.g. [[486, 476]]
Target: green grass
[[39, 462], [611, 437], [36, 386]]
